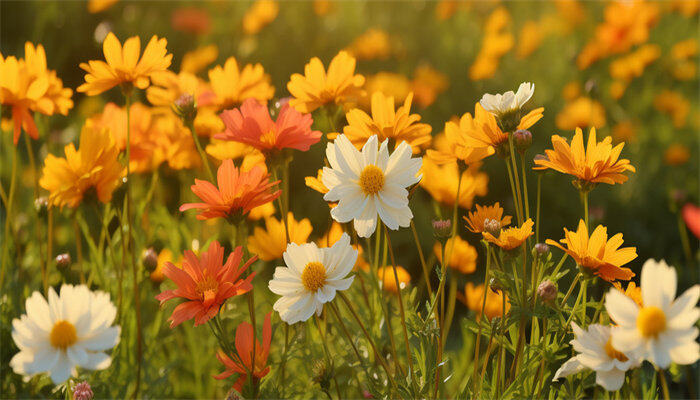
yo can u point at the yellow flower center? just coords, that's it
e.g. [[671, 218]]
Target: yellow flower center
[[651, 321], [269, 138], [314, 276], [206, 288], [63, 335], [371, 179], [612, 353]]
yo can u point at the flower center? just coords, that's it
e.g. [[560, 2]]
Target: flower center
[[63, 335], [314, 276], [371, 179], [651, 321], [612, 353], [269, 138], [206, 288]]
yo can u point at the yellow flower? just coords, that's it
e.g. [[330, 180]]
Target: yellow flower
[[260, 212], [165, 256], [474, 300], [445, 9], [173, 143], [687, 8], [511, 238], [497, 41], [168, 86], [462, 255], [333, 235], [683, 56], [243, 155], [371, 45], [676, 154], [259, 15], [624, 131], [94, 166], [199, 58], [633, 64], [387, 83], [388, 280], [398, 126], [598, 162], [571, 91], [427, 84], [673, 104], [571, 12], [475, 219], [597, 254], [316, 87], [440, 181], [270, 243], [96, 6], [123, 66], [581, 113], [633, 291], [457, 145], [232, 85], [531, 35]]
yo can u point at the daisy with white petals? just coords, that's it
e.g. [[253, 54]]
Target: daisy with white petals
[[370, 183], [663, 329], [71, 330], [311, 278], [597, 353], [501, 104]]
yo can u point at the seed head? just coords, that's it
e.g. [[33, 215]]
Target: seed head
[[149, 259], [82, 391], [63, 261], [547, 291]]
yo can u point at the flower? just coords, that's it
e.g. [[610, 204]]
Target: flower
[[259, 15], [199, 58], [511, 238], [96, 6], [94, 166], [73, 329], [370, 183], [599, 162], [246, 344], [676, 154], [474, 299], [317, 87], [83, 391], [270, 243], [441, 183], [123, 66], [508, 102], [596, 352], [385, 123], [237, 194], [495, 43], [311, 278], [461, 254], [633, 291], [484, 130], [191, 20], [580, 113], [427, 84], [597, 254], [333, 235], [232, 85], [388, 280], [475, 219], [252, 124], [390, 84], [371, 45], [165, 256], [242, 154], [205, 283], [663, 329], [674, 105], [691, 217], [530, 39], [456, 145]]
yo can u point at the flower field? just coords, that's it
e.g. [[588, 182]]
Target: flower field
[[339, 199]]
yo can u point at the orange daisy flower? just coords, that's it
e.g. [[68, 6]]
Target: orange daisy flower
[[599, 162], [237, 194], [252, 125], [458, 146], [205, 282], [473, 298], [597, 254], [245, 342], [511, 238], [475, 219]]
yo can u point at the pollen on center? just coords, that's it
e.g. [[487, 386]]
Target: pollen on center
[[371, 180], [314, 276], [613, 353], [63, 335], [651, 321]]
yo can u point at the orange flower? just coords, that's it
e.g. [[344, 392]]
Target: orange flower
[[633, 291], [483, 129], [462, 255], [511, 238], [238, 192], [460, 146], [123, 66], [597, 254], [474, 300], [252, 124], [259, 15], [386, 276], [691, 216], [205, 283], [599, 162], [233, 85], [246, 344], [676, 154], [581, 112], [475, 219], [441, 182]]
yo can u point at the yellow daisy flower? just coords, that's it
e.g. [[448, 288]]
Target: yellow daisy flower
[[270, 243], [511, 238], [232, 85], [440, 181], [462, 255]]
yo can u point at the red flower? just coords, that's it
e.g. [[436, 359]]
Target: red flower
[[191, 19], [252, 124], [245, 337], [205, 283], [238, 192], [691, 216]]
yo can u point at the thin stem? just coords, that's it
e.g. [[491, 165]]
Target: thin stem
[[537, 214], [664, 384], [327, 353], [345, 331], [525, 196], [49, 248], [8, 213], [78, 246], [584, 201], [202, 154], [512, 189], [423, 264], [483, 306], [284, 359], [519, 203]]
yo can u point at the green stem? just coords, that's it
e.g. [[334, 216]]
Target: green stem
[[327, 353], [664, 384], [584, 201], [483, 306], [8, 213], [512, 189], [519, 198], [202, 154], [537, 214], [423, 264], [525, 196]]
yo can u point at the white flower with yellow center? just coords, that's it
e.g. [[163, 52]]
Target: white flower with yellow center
[[71, 330], [500, 104], [311, 278], [597, 353], [370, 183], [663, 329]]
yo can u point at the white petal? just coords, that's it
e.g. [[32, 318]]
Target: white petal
[[610, 380], [621, 308], [658, 284], [103, 340], [686, 354], [61, 370], [97, 361], [683, 313], [570, 367], [366, 223]]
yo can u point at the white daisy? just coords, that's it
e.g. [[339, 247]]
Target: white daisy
[[71, 330], [370, 182], [311, 278], [499, 104], [597, 353], [662, 330]]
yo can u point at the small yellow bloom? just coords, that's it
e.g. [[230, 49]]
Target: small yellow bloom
[[243, 155], [427, 84], [123, 66], [462, 255], [474, 300], [676, 154], [624, 131], [316, 87], [96, 6], [259, 15], [687, 8], [496, 42], [675, 105], [458, 145], [371, 45], [94, 166], [389, 84], [270, 243], [581, 113], [511, 238], [531, 35], [475, 219], [233, 85], [440, 181], [196, 60], [571, 91], [388, 280], [633, 64]]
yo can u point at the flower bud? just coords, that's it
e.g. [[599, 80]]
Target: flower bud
[[82, 391], [321, 374], [522, 139], [63, 261], [541, 249], [547, 291], [186, 108], [149, 259], [492, 226], [41, 204], [442, 229]]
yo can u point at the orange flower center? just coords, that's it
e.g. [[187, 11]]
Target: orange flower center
[[612, 353], [371, 180], [314, 276], [63, 335], [269, 138], [651, 321], [206, 289]]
